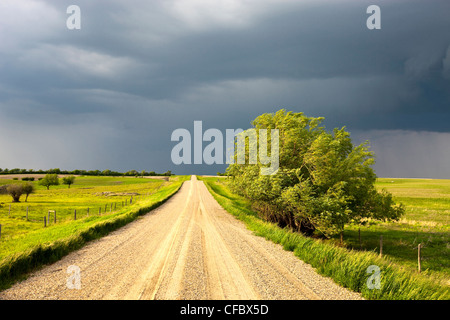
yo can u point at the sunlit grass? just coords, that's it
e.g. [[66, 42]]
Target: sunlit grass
[[85, 196], [30, 244], [426, 221]]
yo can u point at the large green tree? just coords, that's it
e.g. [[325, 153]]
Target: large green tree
[[28, 189], [69, 180], [15, 191], [50, 179], [323, 183]]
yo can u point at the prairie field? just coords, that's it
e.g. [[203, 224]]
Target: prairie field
[[426, 221], [91, 197]]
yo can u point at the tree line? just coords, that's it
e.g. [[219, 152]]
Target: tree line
[[324, 182], [107, 172]]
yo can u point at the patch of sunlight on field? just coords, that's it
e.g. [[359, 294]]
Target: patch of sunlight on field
[[427, 201]]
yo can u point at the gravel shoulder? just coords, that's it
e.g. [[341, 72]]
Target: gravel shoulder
[[188, 248]]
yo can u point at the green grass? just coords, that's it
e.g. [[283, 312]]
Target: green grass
[[426, 221], [84, 194], [345, 266], [427, 200], [32, 247]]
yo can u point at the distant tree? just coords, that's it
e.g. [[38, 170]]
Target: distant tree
[[131, 173], [50, 179], [106, 172], [68, 180], [15, 191], [167, 173], [28, 189]]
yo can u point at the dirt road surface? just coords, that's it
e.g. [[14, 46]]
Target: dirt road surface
[[189, 248]]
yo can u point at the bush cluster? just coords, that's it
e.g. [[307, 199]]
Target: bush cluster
[[323, 183], [17, 190]]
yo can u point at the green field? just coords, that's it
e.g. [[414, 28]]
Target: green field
[[26, 244], [426, 221], [104, 196]]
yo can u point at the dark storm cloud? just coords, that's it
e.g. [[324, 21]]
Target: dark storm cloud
[[137, 70]]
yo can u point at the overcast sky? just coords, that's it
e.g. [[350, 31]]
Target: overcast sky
[[109, 95]]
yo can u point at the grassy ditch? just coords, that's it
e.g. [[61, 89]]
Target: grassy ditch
[[50, 244], [347, 267]]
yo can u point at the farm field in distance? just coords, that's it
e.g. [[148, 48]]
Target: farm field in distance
[[426, 221], [104, 195]]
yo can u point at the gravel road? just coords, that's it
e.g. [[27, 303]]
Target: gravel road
[[189, 248]]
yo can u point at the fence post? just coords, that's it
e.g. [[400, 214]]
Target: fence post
[[75, 214], [45, 222], [0, 231], [88, 212], [54, 214], [381, 246], [418, 257], [100, 210]]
